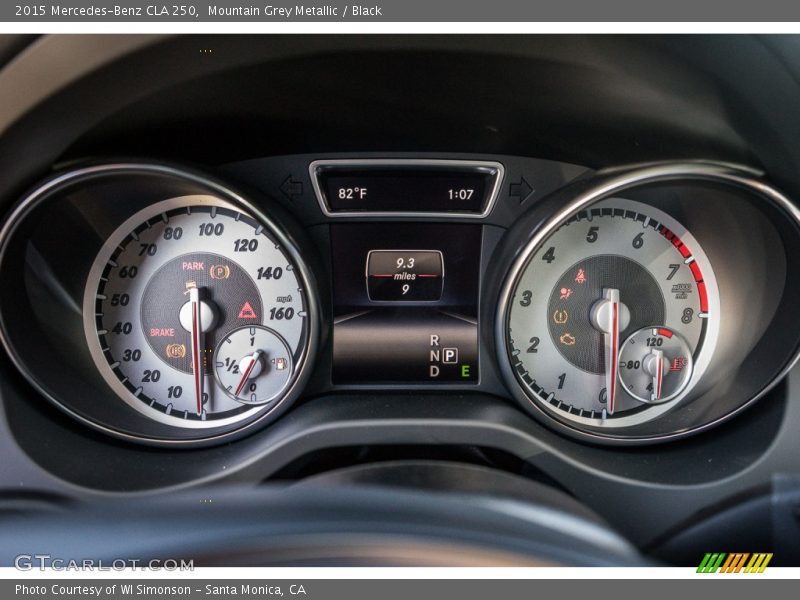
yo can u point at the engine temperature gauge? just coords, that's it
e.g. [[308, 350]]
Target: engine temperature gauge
[[253, 364], [655, 364]]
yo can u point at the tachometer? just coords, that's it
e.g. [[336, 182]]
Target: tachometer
[[613, 318], [194, 314]]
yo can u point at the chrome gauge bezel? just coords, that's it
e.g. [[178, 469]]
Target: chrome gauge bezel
[[207, 190], [609, 186]]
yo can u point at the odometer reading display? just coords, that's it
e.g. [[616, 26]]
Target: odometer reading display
[[614, 317], [199, 316]]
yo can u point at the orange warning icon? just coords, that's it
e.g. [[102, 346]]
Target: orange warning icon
[[247, 312]]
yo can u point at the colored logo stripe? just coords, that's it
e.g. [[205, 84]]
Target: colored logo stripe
[[734, 563], [711, 562], [758, 563]]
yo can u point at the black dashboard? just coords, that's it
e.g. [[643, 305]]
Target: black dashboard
[[566, 259]]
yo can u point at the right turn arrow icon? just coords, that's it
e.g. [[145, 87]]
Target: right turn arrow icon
[[521, 190]]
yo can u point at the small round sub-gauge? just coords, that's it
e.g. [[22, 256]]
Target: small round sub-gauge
[[253, 364], [655, 364]]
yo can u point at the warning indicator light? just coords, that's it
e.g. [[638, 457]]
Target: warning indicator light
[[247, 312], [219, 271], [176, 351]]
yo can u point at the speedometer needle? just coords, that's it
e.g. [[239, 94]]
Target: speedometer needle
[[197, 333]]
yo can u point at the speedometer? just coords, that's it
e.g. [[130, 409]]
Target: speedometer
[[613, 318], [194, 314]]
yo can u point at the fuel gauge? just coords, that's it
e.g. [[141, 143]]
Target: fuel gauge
[[253, 364]]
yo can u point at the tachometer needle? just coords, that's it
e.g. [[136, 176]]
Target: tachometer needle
[[253, 361], [610, 316], [611, 333], [197, 338]]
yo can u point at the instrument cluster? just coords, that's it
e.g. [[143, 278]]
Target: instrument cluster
[[166, 306]]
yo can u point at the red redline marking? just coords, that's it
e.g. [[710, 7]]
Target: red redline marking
[[701, 289], [665, 332], [676, 241], [701, 286], [696, 272], [680, 246], [698, 275]]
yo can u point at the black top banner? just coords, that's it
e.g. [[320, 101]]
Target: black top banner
[[461, 11]]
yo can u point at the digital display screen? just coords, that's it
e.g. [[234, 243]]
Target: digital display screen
[[405, 275], [416, 190], [405, 301]]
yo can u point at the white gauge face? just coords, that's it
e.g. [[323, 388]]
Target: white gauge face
[[173, 283], [615, 269]]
